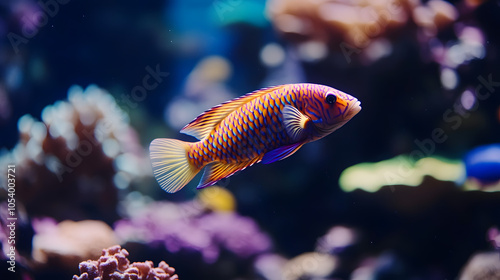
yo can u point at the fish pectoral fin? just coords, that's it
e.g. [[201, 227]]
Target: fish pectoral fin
[[295, 123], [280, 153], [219, 170]]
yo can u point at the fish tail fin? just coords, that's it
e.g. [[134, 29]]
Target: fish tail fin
[[171, 166]]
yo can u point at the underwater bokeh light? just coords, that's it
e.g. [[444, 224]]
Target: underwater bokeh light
[[407, 189]]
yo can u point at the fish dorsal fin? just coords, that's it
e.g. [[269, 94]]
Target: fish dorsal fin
[[281, 153], [219, 170], [204, 123], [295, 123]]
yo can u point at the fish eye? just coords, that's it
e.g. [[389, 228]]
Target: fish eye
[[331, 98]]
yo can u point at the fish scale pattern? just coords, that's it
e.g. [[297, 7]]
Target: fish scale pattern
[[250, 131]]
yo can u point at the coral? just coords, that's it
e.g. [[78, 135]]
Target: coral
[[356, 25], [482, 165], [270, 266], [494, 237], [314, 265], [320, 264], [73, 161], [217, 198], [482, 266], [310, 265], [113, 264], [205, 87], [184, 227], [337, 239], [401, 170], [63, 245]]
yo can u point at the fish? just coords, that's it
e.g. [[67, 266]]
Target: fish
[[263, 126]]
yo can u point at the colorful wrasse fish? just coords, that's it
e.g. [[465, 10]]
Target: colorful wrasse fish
[[265, 126]]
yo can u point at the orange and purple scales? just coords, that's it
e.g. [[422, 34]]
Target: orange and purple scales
[[263, 126]]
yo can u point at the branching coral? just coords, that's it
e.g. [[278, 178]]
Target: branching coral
[[114, 265], [76, 157]]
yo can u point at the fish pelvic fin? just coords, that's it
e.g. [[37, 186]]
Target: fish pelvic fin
[[219, 170], [281, 153], [170, 164], [205, 123], [295, 123]]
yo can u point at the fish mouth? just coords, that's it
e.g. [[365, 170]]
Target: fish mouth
[[351, 111], [354, 109]]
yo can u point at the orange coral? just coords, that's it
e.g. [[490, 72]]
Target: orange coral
[[357, 24]]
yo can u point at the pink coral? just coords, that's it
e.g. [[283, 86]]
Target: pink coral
[[494, 237], [64, 244], [113, 264]]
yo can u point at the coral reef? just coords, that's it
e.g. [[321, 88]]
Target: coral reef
[[65, 244], [482, 165], [184, 227], [217, 199], [494, 237], [336, 240], [365, 250], [114, 265], [309, 265], [205, 87], [482, 266], [427, 71], [325, 261], [353, 26], [204, 230], [401, 170], [77, 157]]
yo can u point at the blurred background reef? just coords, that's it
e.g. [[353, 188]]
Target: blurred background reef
[[408, 189]]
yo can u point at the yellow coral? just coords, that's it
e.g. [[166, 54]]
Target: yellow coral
[[217, 199], [400, 170]]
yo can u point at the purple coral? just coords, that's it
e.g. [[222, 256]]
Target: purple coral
[[113, 264], [206, 233], [494, 237]]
